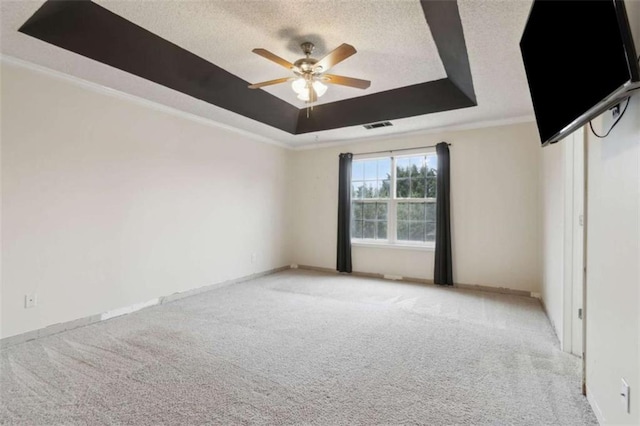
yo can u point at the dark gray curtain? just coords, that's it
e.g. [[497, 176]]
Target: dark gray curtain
[[443, 269], [343, 263]]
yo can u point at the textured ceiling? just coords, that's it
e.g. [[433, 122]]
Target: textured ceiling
[[395, 49], [224, 33]]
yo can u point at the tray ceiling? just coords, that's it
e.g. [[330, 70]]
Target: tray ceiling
[[396, 51]]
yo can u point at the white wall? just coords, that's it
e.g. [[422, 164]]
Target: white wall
[[613, 267], [613, 256], [553, 201], [107, 202], [496, 226], [613, 261]]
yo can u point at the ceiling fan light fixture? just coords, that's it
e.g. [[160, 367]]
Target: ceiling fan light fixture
[[320, 88], [299, 86]]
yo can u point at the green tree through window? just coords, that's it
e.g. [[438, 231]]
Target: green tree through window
[[394, 208]]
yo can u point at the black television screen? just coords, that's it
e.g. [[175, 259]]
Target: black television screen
[[579, 59]]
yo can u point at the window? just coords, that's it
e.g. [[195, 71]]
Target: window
[[393, 200]]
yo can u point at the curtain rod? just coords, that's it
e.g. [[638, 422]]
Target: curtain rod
[[395, 150]]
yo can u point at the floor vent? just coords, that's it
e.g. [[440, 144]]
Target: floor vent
[[377, 125]]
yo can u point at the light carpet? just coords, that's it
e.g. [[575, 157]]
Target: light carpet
[[302, 347]]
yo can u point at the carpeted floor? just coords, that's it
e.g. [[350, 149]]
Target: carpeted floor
[[303, 347]]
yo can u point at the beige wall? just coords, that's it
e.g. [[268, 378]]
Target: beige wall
[[613, 260], [495, 178], [613, 268], [553, 228], [108, 203]]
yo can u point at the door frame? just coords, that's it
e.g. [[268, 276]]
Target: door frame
[[574, 291]]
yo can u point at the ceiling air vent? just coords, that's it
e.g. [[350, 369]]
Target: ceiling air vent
[[377, 125]]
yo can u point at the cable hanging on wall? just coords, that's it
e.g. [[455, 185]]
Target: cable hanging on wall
[[612, 126], [615, 122]]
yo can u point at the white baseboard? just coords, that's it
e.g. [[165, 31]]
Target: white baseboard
[[502, 290], [595, 407], [128, 309], [392, 277], [81, 322]]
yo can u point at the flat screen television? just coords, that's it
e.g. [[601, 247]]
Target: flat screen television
[[580, 60]]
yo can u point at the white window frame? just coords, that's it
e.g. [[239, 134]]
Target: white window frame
[[392, 208]]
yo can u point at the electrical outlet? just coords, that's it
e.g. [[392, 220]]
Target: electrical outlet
[[254, 257], [624, 395], [30, 300]]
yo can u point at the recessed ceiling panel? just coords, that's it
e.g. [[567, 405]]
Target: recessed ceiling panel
[[394, 43], [494, 70], [86, 28]]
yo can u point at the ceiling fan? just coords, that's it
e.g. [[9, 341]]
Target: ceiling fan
[[310, 73]]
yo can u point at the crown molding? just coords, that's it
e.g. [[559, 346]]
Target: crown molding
[[452, 128], [104, 90]]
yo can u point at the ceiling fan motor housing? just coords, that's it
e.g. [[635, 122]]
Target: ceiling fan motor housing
[[307, 47], [305, 65]]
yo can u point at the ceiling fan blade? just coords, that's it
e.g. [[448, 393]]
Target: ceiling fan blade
[[270, 82], [274, 58], [336, 56], [346, 81]]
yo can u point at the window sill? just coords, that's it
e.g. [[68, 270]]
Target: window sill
[[395, 246]]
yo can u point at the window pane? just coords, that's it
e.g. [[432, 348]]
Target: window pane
[[385, 189], [382, 211], [431, 231], [359, 189], [356, 211], [403, 211], [403, 230], [415, 180], [384, 168], [368, 189], [382, 230], [417, 231], [369, 229], [370, 211], [416, 211], [432, 162], [402, 188], [375, 188], [370, 170], [357, 170], [431, 187], [403, 167], [431, 212], [356, 229], [417, 187], [417, 164]]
